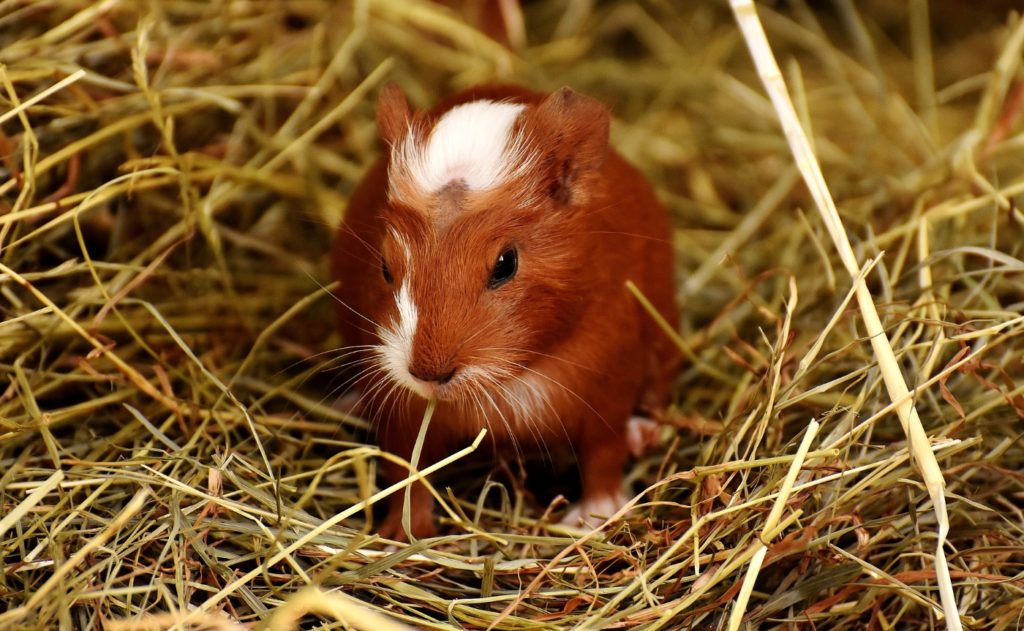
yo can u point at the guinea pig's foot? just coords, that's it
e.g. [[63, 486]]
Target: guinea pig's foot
[[641, 435], [591, 512], [421, 524]]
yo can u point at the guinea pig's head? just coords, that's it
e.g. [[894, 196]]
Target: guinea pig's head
[[485, 259]]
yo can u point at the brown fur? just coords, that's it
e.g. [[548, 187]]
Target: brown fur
[[565, 323]]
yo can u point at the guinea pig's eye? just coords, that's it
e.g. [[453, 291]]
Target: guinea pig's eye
[[385, 272], [504, 268]]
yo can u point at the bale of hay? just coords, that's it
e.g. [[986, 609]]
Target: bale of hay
[[170, 452]]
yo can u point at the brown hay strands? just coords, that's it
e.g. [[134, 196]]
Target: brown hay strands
[[170, 173]]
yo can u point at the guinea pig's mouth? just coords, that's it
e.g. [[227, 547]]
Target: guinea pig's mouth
[[454, 386], [428, 389], [443, 387], [483, 389]]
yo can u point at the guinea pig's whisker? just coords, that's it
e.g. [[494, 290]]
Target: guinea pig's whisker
[[363, 372], [369, 246], [504, 421], [378, 387], [344, 350], [525, 410], [530, 411], [358, 364], [471, 405], [537, 392], [562, 386], [396, 394], [379, 415], [362, 368], [628, 234], [540, 354], [347, 306], [334, 391], [529, 408], [323, 367], [354, 361], [392, 396], [374, 373], [477, 392], [520, 411], [493, 376], [472, 337], [332, 387], [342, 361]]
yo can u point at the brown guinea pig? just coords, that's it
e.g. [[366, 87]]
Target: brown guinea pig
[[483, 263]]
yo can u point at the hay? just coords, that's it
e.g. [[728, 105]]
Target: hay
[[170, 455]]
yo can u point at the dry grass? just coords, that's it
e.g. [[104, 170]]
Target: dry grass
[[169, 452]]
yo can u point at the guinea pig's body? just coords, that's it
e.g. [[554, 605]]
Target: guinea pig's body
[[483, 262]]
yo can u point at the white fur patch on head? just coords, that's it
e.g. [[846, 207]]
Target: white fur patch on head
[[395, 350], [472, 144]]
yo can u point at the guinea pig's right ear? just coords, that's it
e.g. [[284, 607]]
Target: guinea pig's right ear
[[574, 129], [392, 113]]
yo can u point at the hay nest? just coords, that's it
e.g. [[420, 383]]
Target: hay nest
[[169, 449]]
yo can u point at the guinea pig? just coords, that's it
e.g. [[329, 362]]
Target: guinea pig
[[483, 262]]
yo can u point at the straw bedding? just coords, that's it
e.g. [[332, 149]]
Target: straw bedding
[[170, 451]]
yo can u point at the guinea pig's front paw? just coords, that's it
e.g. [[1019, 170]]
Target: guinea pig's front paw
[[421, 523], [593, 511], [641, 435]]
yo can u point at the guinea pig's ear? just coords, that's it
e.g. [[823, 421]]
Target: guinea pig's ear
[[576, 126], [392, 113]]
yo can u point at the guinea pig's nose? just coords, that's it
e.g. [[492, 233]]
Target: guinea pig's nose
[[435, 377]]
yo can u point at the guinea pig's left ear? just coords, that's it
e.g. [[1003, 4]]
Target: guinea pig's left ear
[[392, 113], [576, 126]]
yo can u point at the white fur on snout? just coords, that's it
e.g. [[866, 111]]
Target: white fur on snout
[[594, 511], [396, 342], [407, 317]]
